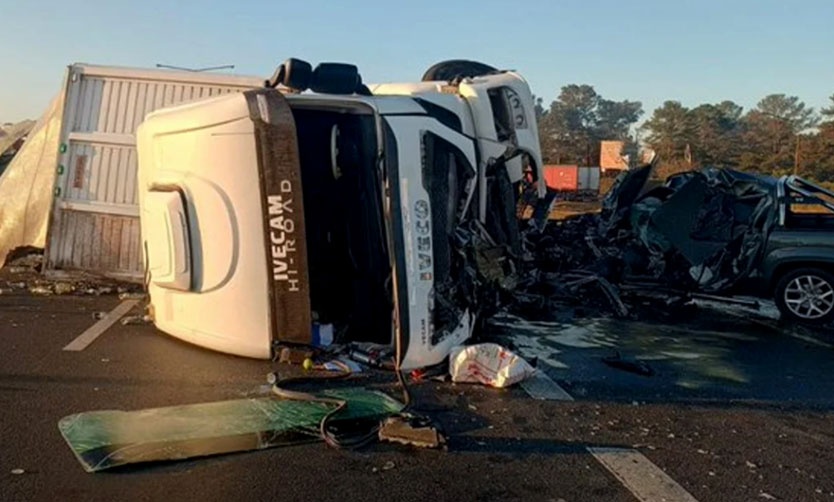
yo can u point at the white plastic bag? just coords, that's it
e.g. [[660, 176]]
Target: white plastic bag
[[489, 364]]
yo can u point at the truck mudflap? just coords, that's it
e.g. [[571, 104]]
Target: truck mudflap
[[279, 173]]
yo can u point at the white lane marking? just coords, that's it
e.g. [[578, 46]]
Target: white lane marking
[[94, 331], [810, 339], [540, 386], [646, 481], [791, 332]]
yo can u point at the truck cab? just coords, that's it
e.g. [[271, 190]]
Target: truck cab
[[283, 216]]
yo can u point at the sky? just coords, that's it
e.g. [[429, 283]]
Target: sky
[[645, 50]]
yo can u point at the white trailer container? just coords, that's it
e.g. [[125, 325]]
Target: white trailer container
[[94, 221]]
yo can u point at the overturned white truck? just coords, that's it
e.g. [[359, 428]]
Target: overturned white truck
[[320, 205]]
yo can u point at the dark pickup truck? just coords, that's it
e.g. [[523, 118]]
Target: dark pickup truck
[[725, 232]]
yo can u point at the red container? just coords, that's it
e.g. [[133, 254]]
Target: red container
[[563, 177]]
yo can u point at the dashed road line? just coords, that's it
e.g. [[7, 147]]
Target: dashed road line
[[783, 331], [89, 336], [540, 386], [645, 480], [811, 340]]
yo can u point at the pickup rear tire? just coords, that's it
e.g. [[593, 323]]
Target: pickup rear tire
[[806, 296], [454, 68]]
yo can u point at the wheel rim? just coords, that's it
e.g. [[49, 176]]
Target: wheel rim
[[809, 297]]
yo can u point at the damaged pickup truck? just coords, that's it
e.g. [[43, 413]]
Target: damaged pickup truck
[[353, 212], [722, 232]]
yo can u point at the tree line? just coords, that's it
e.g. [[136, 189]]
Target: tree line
[[780, 135]]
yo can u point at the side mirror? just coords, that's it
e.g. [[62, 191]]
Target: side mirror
[[292, 73], [336, 78], [327, 78]]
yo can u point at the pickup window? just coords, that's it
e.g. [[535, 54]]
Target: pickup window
[[808, 206]]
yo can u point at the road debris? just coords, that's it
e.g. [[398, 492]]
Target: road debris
[[636, 367], [136, 319], [109, 438], [63, 288], [132, 296], [657, 244], [489, 364], [413, 430], [294, 355], [22, 271], [41, 290]]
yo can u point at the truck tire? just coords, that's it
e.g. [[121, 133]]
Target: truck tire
[[454, 68], [806, 296]]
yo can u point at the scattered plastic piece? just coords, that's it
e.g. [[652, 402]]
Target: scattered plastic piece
[[489, 364], [18, 471], [104, 290], [340, 364], [368, 357], [63, 288], [131, 296], [322, 335], [135, 319], [41, 291]]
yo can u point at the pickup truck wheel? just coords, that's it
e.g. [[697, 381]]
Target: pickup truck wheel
[[449, 70], [806, 296]]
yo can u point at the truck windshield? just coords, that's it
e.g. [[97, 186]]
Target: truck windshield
[[346, 239]]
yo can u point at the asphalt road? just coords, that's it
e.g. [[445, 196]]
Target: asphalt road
[[503, 445], [714, 354]]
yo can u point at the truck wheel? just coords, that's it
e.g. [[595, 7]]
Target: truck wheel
[[449, 70], [806, 295]]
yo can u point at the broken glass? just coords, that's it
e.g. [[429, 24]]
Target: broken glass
[[110, 438]]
